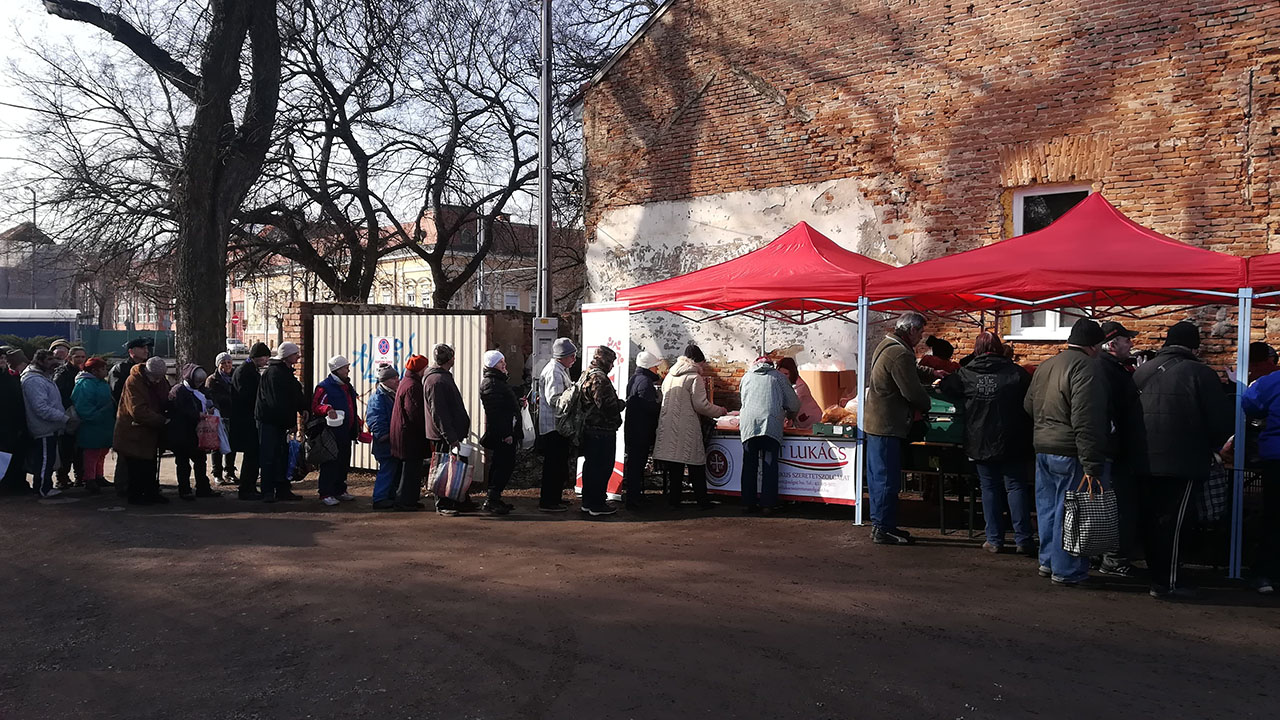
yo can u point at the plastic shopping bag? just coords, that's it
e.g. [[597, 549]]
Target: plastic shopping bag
[[207, 438], [224, 442], [526, 424], [450, 476]]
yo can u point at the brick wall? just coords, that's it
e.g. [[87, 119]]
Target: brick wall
[[941, 109]]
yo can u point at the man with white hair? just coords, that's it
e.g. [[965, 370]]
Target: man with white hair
[[221, 392], [140, 421], [893, 393], [280, 401], [557, 472]]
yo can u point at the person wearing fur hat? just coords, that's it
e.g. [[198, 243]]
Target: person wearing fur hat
[[218, 388], [644, 402], [381, 404], [140, 424], [336, 399], [243, 431], [409, 439], [187, 406], [280, 401], [601, 421], [502, 431], [557, 459], [97, 412]]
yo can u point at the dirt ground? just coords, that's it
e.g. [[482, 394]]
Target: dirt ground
[[231, 610]]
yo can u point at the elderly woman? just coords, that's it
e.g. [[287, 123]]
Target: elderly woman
[[221, 392], [767, 397], [140, 423], [336, 399], [809, 412], [997, 438], [409, 442], [91, 398], [187, 405], [600, 432], [502, 431], [679, 444], [381, 404]]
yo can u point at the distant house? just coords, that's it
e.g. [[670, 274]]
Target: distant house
[[34, 272]]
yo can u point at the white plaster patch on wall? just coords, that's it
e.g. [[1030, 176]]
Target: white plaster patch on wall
[[639, 244]]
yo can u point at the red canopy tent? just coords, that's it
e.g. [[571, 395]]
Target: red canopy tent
[[801, 277], [1092, 257]]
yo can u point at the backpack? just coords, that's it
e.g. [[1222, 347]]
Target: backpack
[[571, 412]]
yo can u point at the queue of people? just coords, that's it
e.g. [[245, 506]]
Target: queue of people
[[1148, 433]]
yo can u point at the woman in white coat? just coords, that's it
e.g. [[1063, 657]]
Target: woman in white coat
[[679, 445]]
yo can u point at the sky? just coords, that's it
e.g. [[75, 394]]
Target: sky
[[19, 20]]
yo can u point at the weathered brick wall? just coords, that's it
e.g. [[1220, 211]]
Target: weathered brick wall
[[941, 109]]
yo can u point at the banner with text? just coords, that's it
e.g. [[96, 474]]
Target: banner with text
[[809, 468], [608, 324]]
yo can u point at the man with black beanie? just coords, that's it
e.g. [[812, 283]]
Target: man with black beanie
[[1067, 403], [1186, 418]]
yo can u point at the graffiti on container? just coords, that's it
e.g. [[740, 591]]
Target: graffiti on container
[[364, 363]]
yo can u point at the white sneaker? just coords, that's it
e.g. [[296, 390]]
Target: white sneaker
[[346, 497], [330, 501], [53, 492]]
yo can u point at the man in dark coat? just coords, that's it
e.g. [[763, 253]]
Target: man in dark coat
[[244, 427], [65, 378], [218, 388], [1124, 411], [447, 420], [1186, 418], [280, 401], [13, 429], [1067, 402], [139, 350], [644, 402], [409, 436], [502, 431]]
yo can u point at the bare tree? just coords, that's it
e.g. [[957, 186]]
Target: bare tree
[[220, 156]]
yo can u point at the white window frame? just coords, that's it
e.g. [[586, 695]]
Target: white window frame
[[506, 300], [1054, 328]]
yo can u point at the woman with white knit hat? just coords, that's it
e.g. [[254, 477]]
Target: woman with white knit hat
[[336, 400], [502, 432]]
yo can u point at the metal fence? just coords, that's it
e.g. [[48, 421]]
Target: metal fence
[[367, 341]]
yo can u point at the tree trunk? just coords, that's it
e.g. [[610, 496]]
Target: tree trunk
[[201, 272]]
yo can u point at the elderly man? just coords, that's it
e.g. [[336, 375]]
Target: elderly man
[[1067, 403], [139, 350], [1186, 419], [244, 426], [446, 418], [767, 397], [557, 471], [140, 422], [279, 403], [1124, 414], [64, 377], [894, 392], [46, 419]]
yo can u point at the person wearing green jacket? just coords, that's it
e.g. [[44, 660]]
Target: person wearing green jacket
[[96, 409]]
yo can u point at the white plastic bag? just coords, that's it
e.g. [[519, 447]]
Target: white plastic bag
[[224, 443], [526, 424]]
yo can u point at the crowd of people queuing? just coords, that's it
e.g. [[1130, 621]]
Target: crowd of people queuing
[[1149, 431], [1147, 426]]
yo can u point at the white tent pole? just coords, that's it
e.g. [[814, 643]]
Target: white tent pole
[[1244, 319], [859, 471]]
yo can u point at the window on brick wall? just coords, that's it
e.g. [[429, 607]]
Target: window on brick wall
[[1035, 208]]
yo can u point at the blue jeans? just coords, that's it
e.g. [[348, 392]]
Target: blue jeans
[[757, 451], [1005, 488], [598, 451], [388, 471], [1055, 475], [884, 479]]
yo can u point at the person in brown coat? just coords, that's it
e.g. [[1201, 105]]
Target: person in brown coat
[[409, 437], [140, 423], [448, 423]]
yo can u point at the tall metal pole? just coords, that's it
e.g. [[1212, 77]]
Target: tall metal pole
[[32, 256], [1244, 322], [544, 167]]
